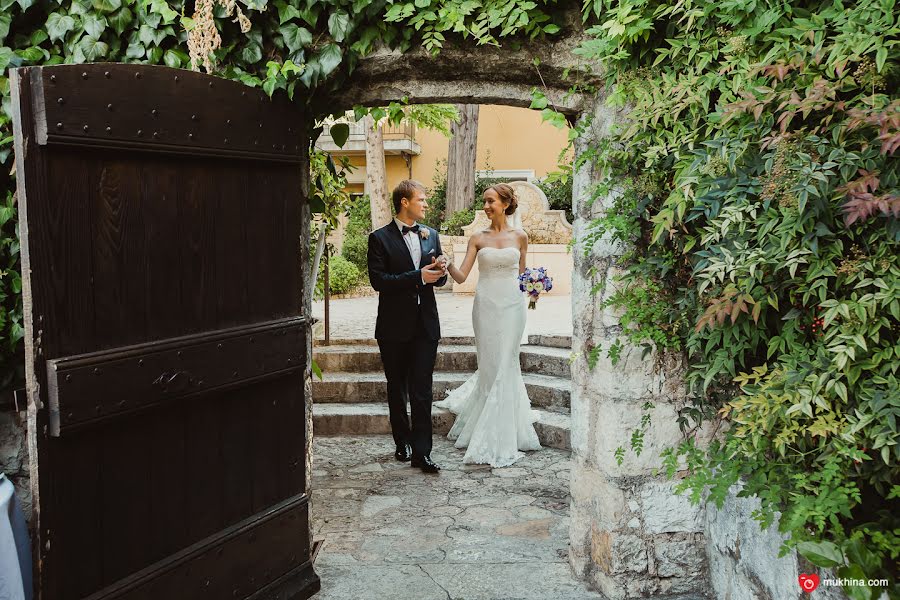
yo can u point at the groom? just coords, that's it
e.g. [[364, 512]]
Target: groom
[[405, 263]]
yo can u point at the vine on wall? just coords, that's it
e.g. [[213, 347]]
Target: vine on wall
[[755, 182]]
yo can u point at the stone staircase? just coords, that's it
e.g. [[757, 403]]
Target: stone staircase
[[351, 398]]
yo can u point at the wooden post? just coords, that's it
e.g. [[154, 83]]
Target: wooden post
[[327, 285], [461, 160]]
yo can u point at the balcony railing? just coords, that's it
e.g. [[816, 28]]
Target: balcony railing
[[399, 138], [399, 131]]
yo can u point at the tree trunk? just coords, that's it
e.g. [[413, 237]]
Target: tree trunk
[[461, 159], [376, 176]]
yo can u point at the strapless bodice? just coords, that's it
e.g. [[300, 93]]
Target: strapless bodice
[[498, 263]]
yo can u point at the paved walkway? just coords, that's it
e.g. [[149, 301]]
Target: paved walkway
[[470, 532], [354, 318]]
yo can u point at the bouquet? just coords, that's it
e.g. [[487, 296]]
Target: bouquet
[[533, 282]]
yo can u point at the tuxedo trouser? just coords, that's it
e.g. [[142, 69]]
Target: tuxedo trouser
[[409, 370]]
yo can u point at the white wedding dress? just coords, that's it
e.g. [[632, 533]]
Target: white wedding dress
[[494, 419]]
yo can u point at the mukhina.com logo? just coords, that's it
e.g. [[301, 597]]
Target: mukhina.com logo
[[809, 582]]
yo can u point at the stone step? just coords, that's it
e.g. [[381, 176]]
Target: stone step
[[553, 429], [360, 358], [553, 341], [544, 391]]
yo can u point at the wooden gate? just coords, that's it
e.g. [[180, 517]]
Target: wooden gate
[[161, 215]]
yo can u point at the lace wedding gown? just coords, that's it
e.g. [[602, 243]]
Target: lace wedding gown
[[494, 417]]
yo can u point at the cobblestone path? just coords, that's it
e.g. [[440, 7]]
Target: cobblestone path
[[392, 532]]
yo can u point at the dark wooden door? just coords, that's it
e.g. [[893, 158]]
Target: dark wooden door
[[167, 346]]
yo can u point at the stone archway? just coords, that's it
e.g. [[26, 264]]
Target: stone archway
[[630, 535]]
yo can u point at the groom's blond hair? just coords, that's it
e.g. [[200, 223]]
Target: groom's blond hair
[[403, 190]]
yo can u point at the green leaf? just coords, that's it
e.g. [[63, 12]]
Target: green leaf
[[330, 58], [880, 58], [251, 54], [120, 20], [5, 20], [152, 20], [857, 592], [135, 50], [94, 25], [147, 35], [93, 48], [107, 6], [8, 57], [338, 24], [551, 29], [39, 37], [821, 554], [33, 54], [340, 133], [269, 86], [295, 37], [316, 204], [286, 12], [317, 371], [538, 100], [162, 8], [59, 25], [172, 59]]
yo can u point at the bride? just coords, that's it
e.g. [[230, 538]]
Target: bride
[[494, 417]]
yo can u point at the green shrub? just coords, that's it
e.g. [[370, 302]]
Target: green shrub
[[454, 225], [756, 184], [342, 276], [356, 234], [557, 186]]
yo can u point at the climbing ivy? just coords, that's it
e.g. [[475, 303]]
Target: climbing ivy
[[755, 182]]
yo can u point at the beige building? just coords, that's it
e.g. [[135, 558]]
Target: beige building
[[513, 142]]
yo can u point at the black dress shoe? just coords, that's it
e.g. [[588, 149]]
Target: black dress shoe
[[425, 463], [403, 453]]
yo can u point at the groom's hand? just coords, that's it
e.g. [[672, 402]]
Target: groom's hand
[[433, 272]]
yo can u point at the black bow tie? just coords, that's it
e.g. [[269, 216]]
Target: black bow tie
[[414, 229]]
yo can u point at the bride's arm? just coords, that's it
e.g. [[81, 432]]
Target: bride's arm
[[523, 250], [460, 274]]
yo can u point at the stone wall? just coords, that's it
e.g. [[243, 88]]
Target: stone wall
[[630, 535], [744, 562], [14, 455]]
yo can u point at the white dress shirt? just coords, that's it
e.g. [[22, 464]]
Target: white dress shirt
[[413, 245], [412, 242]]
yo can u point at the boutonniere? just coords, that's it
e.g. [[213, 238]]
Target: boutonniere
[[424, 233]]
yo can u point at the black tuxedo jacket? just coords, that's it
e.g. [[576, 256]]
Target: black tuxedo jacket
[[399, 284]]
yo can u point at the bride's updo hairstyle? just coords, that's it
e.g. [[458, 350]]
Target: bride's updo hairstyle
[[507, 196]]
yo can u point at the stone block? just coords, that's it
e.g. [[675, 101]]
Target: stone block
[[614, 588], [596, 501], [681, 556], [612, 427], [737, 544], [664, 511]]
